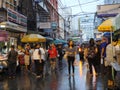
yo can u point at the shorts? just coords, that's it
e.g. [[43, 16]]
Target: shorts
[[53, 59]]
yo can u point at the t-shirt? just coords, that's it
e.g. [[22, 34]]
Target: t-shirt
[[12, 56], [103, 45], [92, 51], [52, 52], [71, 51]]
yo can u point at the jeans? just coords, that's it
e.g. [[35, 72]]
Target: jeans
[[71, 64]]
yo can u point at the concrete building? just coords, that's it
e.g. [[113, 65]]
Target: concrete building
[[12, 21], [27, 8], [43, 17], [87, 26], [61, 33], [67, 15]]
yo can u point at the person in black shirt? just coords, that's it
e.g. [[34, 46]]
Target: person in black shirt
[[12, 62]]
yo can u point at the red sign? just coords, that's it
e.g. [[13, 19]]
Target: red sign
[[3, 35]]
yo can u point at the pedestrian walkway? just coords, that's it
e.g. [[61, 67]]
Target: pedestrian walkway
[[58, 80]]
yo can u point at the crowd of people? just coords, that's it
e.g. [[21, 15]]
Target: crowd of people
[[33, 56], [98, 54]]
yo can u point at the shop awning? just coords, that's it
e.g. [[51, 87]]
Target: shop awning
[[107, 26], [59, 41], [12, 26]]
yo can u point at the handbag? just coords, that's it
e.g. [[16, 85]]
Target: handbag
[[76, 63], [65, 56]]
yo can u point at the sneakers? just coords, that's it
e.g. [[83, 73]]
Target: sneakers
[[38, 76]]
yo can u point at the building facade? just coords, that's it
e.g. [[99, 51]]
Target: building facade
[[28, 8], [12, 21], [87, 27], [43, 17]]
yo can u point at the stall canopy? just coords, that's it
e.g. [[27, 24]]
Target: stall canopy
[[107, 26], [3, 35], [33, 38]]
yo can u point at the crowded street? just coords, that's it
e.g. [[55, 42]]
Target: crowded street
[[59, 44], [58, 80]]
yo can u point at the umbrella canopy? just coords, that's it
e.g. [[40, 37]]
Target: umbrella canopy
[[33, 38], [59, 41], [107, 26]]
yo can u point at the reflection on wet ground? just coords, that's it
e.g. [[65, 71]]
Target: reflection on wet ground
[[56, 80]]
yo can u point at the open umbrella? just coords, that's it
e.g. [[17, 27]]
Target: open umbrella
[[108, 26], [33, 38], [59, 41]]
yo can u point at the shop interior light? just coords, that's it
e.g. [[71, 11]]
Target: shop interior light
[[2, 26]]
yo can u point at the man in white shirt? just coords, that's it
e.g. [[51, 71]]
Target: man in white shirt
[[110, 57], [42, 60]]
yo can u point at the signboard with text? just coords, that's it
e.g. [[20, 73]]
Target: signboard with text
[[16, 17]]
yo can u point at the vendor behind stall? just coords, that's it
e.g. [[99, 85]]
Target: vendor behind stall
[[4, 50]]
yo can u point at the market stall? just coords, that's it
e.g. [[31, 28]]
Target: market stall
[[112, 25]]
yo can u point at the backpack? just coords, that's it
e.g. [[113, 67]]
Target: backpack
[[91, 51]]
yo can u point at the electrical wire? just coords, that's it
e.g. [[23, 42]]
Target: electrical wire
[[80, 6]]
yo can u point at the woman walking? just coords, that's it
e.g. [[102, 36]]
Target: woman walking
[[71, 53], [91, 55], [53, 56]]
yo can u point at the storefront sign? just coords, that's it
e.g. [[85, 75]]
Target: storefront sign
[[44, 25], [54, 25], [110, 10], [13, 26], [107, 15], [16, 17]]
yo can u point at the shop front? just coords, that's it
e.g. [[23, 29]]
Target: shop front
[[16, 32]]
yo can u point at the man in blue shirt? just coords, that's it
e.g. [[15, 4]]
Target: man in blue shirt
[[103, 53]]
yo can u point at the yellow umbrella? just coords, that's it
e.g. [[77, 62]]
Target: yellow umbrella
[[33, 38], [107, 26]]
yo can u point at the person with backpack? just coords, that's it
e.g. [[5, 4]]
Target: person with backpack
[[12, 62], [37, 60], [91, 55]]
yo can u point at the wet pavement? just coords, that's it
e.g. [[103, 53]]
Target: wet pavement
[[56, 80]]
